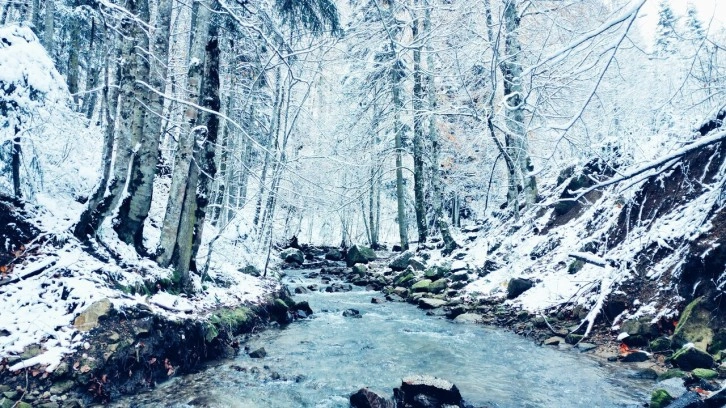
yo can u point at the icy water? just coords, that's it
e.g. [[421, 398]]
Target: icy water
[[319, 362]]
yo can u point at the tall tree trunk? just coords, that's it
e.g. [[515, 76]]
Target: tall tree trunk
[[49, 29], [129, 120], [418, 139], [15, 164], [35, 17], [135, 209], [433, 135], [182, 195], [210, 99], [374, 196], [73, 63], [398, 129], [88, 220], [516, 138], [275, 124], [220, 186], [4, 13], [92, 74]]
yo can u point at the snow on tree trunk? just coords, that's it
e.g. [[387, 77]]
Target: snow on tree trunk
[[418, 130], [135, 208], [516, 138], [210, 100], [175, 232], [398, 130]]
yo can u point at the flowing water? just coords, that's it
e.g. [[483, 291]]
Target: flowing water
[[320, 361]]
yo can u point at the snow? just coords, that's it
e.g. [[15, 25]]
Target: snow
[[27, 73], [611, 266]]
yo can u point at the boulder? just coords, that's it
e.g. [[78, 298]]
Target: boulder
[[303, 307], [635, 357], [691, 399], [360, 269], [428, 303], [689, 357], [421, 286], [438, 286], [468, 318], [434, 273], [517, 286], [366, 398], [279, 311], [88, 319], [693, 326], [250, 270], [259, 353], [334, 254], [416, 264], [554, 341], [705, 373], [659, 345], [400, 291], [585, 347], [404, 279], [352, 313], [400, 262], [660, 399], [640, 327], [427, 391], [359, 254], [459, 276], [292, 255]]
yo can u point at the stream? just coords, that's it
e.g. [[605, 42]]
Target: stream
[[320, 361]]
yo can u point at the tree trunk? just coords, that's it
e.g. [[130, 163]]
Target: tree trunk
[[35, 17], [88, 221], [516, 138], [73, 64], [398, 129], [4, 13], [16, 156], [374, 197], [129, 120], [418, 139], [211, 100], [135, 209], [49, 29], [90, 94], [436, 184], [180, 209]]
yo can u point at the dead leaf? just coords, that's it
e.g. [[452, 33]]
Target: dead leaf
[[76, 365], [85, 369]]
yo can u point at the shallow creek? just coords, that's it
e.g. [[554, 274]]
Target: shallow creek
[[320, 361]]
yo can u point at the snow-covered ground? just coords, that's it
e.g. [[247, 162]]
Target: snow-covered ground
[[41, 309]]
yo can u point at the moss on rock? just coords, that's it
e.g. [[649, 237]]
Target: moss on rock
[[421, 286], [660, 399], [693, 326], [704, 373]]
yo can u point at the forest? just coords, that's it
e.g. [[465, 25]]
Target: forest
[[552, 168]]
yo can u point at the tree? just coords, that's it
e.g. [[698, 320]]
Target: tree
[[665, 31], [135, 207]]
